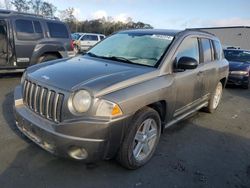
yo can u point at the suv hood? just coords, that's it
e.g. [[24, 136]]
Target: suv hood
[[238, 66], [85, 72]]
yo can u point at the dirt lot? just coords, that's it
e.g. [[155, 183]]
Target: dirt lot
[[203, 151]]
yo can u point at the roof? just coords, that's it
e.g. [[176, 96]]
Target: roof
[[166, 32], [11, 13], [153, 31]]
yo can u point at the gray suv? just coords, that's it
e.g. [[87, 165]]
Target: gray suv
[[27, 39], [116, 100]]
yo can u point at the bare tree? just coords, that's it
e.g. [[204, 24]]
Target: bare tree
[[7, 4], [20, 5], [35, 5], [47, 9], [67, 15]]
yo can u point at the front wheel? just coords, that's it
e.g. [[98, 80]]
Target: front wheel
[[141, 140], [215, 98]]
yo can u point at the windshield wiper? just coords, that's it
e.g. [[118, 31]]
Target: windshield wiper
[[117, 58], [92, 54]]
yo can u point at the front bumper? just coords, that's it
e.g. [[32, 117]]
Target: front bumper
[[100, 139], [238, 80]]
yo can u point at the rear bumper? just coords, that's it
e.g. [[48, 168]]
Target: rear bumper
[[98, 139], [238, 80]]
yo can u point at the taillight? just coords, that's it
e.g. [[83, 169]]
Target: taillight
[[72, 44]]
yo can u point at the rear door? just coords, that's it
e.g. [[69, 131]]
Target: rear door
[[27, 33], [207, 66]]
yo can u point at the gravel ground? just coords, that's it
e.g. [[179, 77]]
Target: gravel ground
[[206, 150]]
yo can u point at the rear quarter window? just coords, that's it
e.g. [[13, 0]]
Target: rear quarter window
[[57, 30], [218, 50]]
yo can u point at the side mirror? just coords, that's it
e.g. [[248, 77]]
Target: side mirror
[[187, 63]]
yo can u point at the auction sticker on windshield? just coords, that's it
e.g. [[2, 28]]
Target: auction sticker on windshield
[[165, 37]]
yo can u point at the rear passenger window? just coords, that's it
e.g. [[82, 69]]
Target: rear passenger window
[[188, 48], [57, 30], [85, 37], [24, 26], [37, 26], [207, 52], [90, 37], [101, 37], [218, 50], [28, 30]]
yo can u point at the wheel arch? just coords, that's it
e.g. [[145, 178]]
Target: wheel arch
[[223, 81], [53, 49]]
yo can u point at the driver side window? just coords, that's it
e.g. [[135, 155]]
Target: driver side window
[[85, 37], [188, 48]]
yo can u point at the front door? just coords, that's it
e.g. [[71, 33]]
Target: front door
[[188, 83], [4, 50]]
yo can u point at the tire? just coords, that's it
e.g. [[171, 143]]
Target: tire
[[246, 86], [215, 98], [145, 123], [47, 57]]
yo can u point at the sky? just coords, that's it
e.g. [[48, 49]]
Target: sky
[[171, 14]]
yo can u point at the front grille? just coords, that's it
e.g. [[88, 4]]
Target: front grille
[[43, 101]]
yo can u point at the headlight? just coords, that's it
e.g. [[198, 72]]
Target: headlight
[[108, 109], [23, 77], [80, 102], [240, 72]]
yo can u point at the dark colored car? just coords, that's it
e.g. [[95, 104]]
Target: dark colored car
[[28, 39], [118, 98], [239, 67]]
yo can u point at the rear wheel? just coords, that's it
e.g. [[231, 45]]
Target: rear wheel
[[141, 140], [47, 57], [215, 98]]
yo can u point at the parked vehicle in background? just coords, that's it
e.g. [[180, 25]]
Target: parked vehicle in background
[[239, 67], [117, 99], [28, 39], [84, 41], [76, 36]]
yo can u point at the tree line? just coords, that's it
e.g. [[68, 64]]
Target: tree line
[[104, 25]]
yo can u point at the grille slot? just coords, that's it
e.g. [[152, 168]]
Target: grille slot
[[45, 102]]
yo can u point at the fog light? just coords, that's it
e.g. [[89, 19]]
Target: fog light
[[77, 153]]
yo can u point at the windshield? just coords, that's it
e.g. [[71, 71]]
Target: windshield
[[136, 48], [237, 55]]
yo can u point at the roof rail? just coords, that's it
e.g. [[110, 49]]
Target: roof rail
[[11, 12], [200, 30]]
